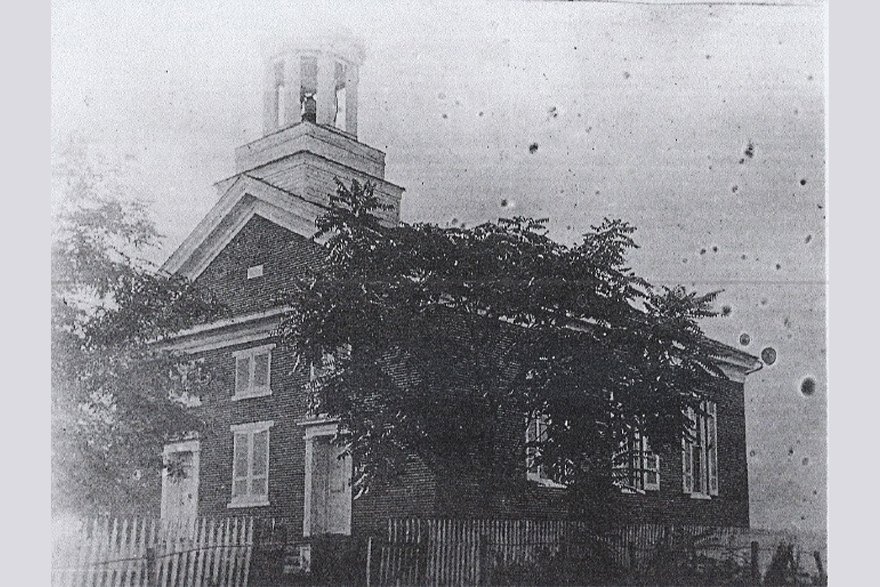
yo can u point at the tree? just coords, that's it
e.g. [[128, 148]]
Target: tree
[[116, 395], [430, 341]]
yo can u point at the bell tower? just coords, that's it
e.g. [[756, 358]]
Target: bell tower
[[314, 80], [309, 141], [310, 125]]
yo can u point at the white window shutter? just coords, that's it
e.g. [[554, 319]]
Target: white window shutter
[[530, 450], [240, 465], [650, 467], [687, 463], [242, 375], [261, 370], [712, 446]]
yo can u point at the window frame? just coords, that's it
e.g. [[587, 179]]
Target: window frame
[[637, 464], [536, 473], [250, 355], [703, 483], [249, 431]]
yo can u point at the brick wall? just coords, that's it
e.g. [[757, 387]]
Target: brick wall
[[285, 407], [284, 255], [419, 492]]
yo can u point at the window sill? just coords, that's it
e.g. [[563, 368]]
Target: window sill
[[251, 503], [546, 482], [700, 496], [240, 397]]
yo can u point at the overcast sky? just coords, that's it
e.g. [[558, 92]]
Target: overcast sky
[[640, 112]]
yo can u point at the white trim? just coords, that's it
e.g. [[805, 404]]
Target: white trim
[[193, 446], [250, 390], [703, 476], [250, 429], [320, 428], [217, 324], [248, 352], [182, 446], [219, 342], [250, 503], [279, 206], [252, 426]]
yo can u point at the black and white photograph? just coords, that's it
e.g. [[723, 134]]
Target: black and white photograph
[[440, 293]]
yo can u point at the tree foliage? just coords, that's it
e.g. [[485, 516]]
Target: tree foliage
[[432, 340], [115, 395]]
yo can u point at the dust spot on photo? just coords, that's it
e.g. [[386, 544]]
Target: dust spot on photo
[[786, 321], [533, 148], [790, 451], [808, 386], [734, 188], [768, 355], [752, 453], [715, 249], [805, 461], [808, 238], [626, 75], [803, 182], [745, 339], [725, 310], [749, 151], [778, 266], [702, 251]]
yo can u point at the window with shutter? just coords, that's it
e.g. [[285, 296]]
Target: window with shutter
[[636, 467], [250, 464], [700, 453], [252, 372], [536, 432]]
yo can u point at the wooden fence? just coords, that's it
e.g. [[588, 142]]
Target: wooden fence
[[142, 551], [475, 552]]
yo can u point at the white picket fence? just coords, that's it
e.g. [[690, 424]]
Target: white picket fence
[[150, 552]]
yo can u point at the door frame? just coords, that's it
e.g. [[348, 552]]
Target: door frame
[[195, 447], [319, 428]]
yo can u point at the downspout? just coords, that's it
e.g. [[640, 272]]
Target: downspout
[[756, 369]]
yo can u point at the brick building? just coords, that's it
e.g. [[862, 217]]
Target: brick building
[[266, 455]]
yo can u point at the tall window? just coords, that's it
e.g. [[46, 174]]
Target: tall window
[[250, 464], [636, 467], [536, 433], [700, 453], [252, 369]]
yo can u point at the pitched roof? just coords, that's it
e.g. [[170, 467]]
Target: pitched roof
[[245, 197]]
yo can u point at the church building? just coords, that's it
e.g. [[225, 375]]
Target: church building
[[266, 454]]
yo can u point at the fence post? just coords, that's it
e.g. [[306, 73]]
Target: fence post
[[819, 566], [482, 560], [756, 571], [369, 556], [151, 566]]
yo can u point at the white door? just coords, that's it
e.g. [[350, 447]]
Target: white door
[[330, 504], [180, 482]]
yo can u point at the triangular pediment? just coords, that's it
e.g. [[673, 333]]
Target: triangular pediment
[[245, 198]]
